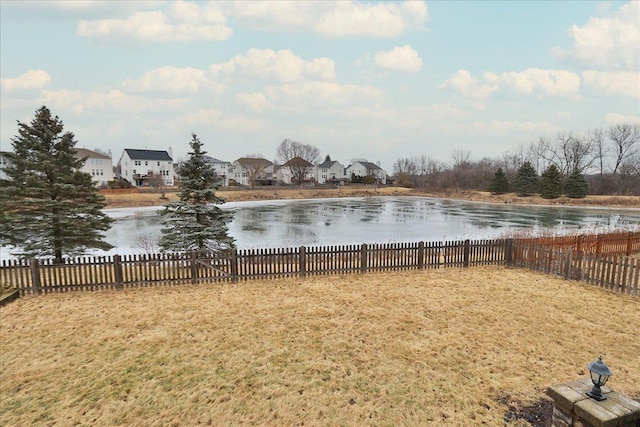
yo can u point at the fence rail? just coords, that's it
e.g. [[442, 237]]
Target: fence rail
[[126, 271], [594, 259]]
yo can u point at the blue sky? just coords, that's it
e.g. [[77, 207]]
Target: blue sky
[[374, 80]]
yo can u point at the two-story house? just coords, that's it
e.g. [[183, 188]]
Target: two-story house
[[140, 166], [98, 165], [296, 171], [253, 171], [223, 169], [330, 172], [367, 169]]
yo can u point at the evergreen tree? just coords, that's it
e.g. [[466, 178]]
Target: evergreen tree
[[551, 183], [526, 182], [576, 186], [195, 223], [499, 183], [48, 207]]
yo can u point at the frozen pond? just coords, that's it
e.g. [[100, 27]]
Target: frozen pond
[[320, 222]]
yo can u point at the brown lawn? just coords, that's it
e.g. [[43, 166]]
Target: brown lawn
[[434, 347], [129, 199]]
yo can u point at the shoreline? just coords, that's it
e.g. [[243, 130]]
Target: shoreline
[[127, 199]]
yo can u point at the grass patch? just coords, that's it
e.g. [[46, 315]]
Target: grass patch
[[435, 347]]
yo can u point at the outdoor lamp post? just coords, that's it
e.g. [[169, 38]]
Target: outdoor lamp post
[[600, 373]]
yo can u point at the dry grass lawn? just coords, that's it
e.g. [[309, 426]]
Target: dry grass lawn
[[131, 199], [435, 347]]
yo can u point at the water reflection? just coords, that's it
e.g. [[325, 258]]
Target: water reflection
[[368, 220]]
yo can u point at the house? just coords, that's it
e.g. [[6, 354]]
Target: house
[[140, 166], [98, 165], [297, 171], [223, 169], [330, 172], [252, 171], [363, 169]]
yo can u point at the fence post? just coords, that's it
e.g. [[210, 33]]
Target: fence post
[[421, 255], [628, 251], [467, 250], [508, 252], [598, 244], [194, 268], [567, 264], [35, 276], [302, 261], [117, 272], [234, 265], [363, 258]]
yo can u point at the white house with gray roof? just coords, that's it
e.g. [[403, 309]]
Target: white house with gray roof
[[330, 171], [98, 165], [363, 168], [138, 166], [222, 168]]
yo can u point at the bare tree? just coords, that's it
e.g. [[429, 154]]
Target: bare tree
[[298, 157], [625, 138], [596, 138], [460, 158], [157, 182], [254, 165]]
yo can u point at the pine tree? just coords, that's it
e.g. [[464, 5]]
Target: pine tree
[[551, 183], [49, 208], [499, 183], [194, 222], [526, 182], [576, 186]]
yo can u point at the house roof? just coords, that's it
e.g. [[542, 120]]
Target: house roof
[[214, 160], [250, 161], [369, 165], [298, 162], [159, 155], [83, 152], [327, 164]]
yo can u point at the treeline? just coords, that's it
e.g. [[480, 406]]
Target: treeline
[[607, 160]]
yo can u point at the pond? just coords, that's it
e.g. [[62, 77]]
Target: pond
[[322, 222]]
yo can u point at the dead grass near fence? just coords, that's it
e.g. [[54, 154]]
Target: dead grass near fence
[[432, 347]]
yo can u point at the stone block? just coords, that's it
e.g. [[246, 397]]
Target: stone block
[[592, 411]]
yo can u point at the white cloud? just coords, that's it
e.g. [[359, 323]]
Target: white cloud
[[403, 58], [623, 83], [283, 66], [252, 101], [608, 42], [183, 21], [309, 95], [31, 80], [230, 122], [334, 19], [497, 127], [173, 79], [615, 119], [469, 86], [553, 82], [110, 101]]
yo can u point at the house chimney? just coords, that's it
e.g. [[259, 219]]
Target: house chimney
[[170, 151]]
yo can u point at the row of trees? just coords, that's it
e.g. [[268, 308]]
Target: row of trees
[[608, 159], [49, 208], [550, 184]]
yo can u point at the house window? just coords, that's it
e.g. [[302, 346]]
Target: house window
[[158, 163], [146, 163], [134, 171]]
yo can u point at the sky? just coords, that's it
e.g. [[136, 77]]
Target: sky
[[359, 80]]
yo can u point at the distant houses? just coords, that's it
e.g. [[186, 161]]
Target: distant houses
[[139, 167], [142, 167], [98, 165]]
